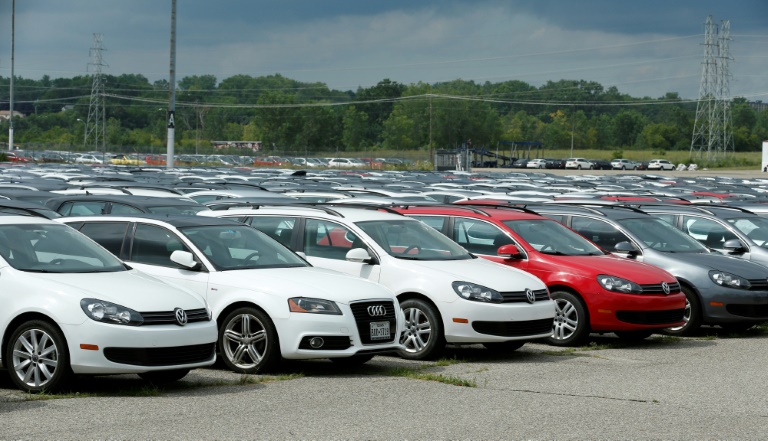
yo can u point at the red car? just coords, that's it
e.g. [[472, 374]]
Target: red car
[[594, 290]]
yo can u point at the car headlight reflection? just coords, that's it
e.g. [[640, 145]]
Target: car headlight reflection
[[477, 293], [729, 280], [107, 312], [313, 306], [617, 284]]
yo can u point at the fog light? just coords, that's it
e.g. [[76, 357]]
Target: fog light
[[316, 342]]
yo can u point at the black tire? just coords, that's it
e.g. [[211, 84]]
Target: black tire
[[571, 324], [49, 368], [253, 350], [623, 167], [578, 167], [737, 327], [423, 336], [164, 377], [355, 360], [591, 167], [692, 316], [633, 335], [504, 346]]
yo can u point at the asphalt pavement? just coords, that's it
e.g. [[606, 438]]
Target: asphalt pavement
[[711, 386]]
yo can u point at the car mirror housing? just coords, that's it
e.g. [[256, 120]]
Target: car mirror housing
[[626, 247], [359, 255], [509, 251], [185, 259], [734, 246]]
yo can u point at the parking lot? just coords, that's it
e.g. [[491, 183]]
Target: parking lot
[[707, 386]]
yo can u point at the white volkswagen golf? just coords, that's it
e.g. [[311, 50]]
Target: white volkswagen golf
[[448, 295], [70, 307], [268, 302]]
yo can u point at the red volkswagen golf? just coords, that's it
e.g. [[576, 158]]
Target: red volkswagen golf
[[594, 290]]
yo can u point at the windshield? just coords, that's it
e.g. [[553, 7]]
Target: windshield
[[662, 236], [232, 247], [756, 228], [412, 240], [178, 209], [46, 248], [550, 237]]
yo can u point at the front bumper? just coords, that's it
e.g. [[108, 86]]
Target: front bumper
[[725, 305], [611, 311], [466, 321]]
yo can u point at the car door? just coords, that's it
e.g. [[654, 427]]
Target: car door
[[326, 244], [712, 234]]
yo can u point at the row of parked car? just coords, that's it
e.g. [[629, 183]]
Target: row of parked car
[[594, 164], [255, 266]]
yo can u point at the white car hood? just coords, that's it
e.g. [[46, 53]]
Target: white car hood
[[303, 282], [483, 272], [132, 289]]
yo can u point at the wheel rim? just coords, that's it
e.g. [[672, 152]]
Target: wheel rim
[[35, 358], [418, 330], [566, 320], [245, 341], [686, 316]]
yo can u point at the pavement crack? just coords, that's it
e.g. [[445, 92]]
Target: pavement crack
[[632, 400]]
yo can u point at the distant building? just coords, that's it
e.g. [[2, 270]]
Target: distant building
[[6, 114], [249, 145], [758, 105]]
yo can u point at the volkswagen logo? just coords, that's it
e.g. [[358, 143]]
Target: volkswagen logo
[[181, 316], [665, 287], [377, 310], [529, 295]]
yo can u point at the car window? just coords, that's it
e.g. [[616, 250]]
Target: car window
[[82, 208], [123, 209], [110, 235], [479, 237], [661, 236], [668, 218], [549, 237], [276, 227], [153, 245], [412, 240], [756, 228], [600, 232], [329, 240], [709, 232], [436, 222]]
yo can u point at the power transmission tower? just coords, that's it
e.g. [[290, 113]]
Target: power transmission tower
[[95, 128], [724, 88]]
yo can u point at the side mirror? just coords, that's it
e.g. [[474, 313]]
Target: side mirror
[[626, 247], [185, 259], [509, 251], [734, 246], [358, 255], [302, 254]]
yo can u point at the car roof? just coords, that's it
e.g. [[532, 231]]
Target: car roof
[[178, 221], [604, 211], [498, 212], [140, 201], [328, 211]]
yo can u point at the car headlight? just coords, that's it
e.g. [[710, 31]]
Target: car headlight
[[107, 312], [478, 293], [313, 306], [617, 284], [729, 280]]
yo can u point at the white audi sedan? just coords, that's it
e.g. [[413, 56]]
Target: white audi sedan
[[70, 307], [269, 303]]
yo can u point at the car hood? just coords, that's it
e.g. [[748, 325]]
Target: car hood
[[483, 272], [733, 265], [592, 266], [303, 282], [132, 289]]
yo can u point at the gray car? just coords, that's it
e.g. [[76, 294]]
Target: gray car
[[720, 290]]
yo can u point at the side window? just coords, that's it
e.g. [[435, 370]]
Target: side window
[[710, 233], [479, 237], [83, 208], [153, 245], [278, 228], [436, 222], [602, 233], [556, 217], [669, 218], [110, 235], [123, 209], [329, 240]]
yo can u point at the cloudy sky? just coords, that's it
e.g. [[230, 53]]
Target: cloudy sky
[[644, 48]]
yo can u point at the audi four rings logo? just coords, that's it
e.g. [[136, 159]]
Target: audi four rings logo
[[665, 287], [530, 295], [181, 316], [377, 310]]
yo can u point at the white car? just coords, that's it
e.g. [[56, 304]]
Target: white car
[[448, 295], [70, 307], [537, 163], [660, 164], [88, 159], [269, 302], [579, 163], [624, 164], [346, 163]]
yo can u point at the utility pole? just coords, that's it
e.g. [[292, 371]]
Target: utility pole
[[13, 42], [172, 90]]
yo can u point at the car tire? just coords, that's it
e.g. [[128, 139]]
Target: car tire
[[635, 168], [623, 167], [355, 360], [248, 341], [42, 345], [571, 324], [633, 335], [737, 327], [423, 336], [504, 346], [578, 167], [692, 315], [591, 167], [164, 377]]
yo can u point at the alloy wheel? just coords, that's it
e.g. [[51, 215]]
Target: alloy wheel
[[35, 358]]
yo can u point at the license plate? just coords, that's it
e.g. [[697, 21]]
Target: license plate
[[379, 330]]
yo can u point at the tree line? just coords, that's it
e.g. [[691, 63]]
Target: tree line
[[288, 115]]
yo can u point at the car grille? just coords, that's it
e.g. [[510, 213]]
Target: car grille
[[514, 329], [171, 356], [656, 288], [751, 311], [169, 317], [651, 317], [758, 285], [519, 296], [330, 343], [363, 320]]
